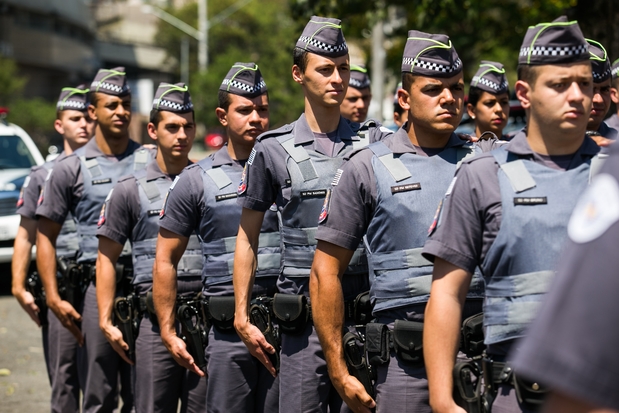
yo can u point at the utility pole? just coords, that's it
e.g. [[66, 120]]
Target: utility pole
[[379, 56], [203, 37]]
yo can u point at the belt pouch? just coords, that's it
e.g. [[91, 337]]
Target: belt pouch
[[292, 313], [221, 310], [408, 341], [530, 394], [473, 335], [377, 343], [363, 308]]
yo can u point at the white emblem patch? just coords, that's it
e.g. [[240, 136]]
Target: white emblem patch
[[252, 155], [336, 178], [175, 181], [596, 211], [26, 182], [451, 186]]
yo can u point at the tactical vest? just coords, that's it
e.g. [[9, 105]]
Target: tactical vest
[[219, 241], [145, 232], [311, 174], [100, 175], [66, 243], [409, 190], [536, 203]]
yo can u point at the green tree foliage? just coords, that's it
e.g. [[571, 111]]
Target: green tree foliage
[[262, 32], [11, 84]]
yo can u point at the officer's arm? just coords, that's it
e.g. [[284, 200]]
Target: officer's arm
[[170, 249], [22, 248], [245, 264], [107, 256], [47, 232], [441, 334], [562, 403], [327, 300]]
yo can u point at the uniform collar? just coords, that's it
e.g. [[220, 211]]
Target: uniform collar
[[520, 146], [153, 171], [607, 132], [401, 143], [303, 133], [222, 157], [92, 150]]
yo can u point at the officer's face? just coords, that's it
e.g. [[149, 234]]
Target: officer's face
[[490, 113], [559, 99], [174, 133], [325, 80], [356, 103], [246, 118], [113, 114], [434, 104], [75, 126], [600, 104]]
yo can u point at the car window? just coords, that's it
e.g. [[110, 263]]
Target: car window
[[14, 153]]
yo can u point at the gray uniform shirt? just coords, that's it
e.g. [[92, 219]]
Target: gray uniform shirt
[[613, 121], [572, 345], [470, 221], [65, 185]]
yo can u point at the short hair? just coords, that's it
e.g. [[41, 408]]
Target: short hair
[[407, 81], [155, 116], [223, 98], [94, 98], [615, 83], [528, 74], [300, 58]]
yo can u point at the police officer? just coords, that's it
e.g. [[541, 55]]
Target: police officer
[[400, 116], [79, 185], [292, 167], [613, 120], [132, 213], [203, 200], [507, 211], [488, 103], [388, 193], [600, 65], [572, 344], [59, 346], [355, 105]]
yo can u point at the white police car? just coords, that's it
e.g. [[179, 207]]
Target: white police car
[[18, 154]]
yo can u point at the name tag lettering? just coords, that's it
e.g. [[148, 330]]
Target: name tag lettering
[[537, 200], [102, 181], [225, 196], [405, 188], [312, 194]]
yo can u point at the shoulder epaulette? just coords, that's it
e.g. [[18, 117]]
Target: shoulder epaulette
[[277, 132]]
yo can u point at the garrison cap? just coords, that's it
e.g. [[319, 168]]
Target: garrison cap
[[614, 69], [111, 82], [600, 64], [359, 78], [74, 98], [556, 42], [172, 98], [323, 36], [490, 77], [430, 55], [244, 79]]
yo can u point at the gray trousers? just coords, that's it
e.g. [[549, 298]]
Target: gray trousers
[[305, 385], [507, 402], [101, 369], [238, 382], [63, 367], [160, 382]]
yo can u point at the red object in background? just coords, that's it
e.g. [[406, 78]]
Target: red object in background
[[4, 111], [214, 141]]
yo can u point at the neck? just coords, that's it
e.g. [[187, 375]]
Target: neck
[[321, 119], [548, 140], [171, 165], [69, 147], [238, 151], [594, 126], [111, 145], [427, 139]]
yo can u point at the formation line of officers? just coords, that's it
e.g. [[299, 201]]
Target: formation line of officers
[[333, 265]]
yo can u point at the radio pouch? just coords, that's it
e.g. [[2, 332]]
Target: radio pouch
[[408, 341], [377, 343], [292, 313], [221, 312]]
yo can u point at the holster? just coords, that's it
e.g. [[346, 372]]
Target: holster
[[357, 363], [34, 285], [530, 394], [408, 341], [124, 275], [377, 343], [73, 282], [472, 340], [126, 318], [193, 334], [292, 313], [260, 315], [221, 312], [467, 386], [363, 308]]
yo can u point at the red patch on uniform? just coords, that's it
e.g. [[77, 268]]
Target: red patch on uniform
[[325, 208], [242, 185], [101, 216], [20, 200], [162, 212], [40, 201], [435, 220]]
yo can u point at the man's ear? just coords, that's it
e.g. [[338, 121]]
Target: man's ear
[[523, 90], [152, 130], [297, 75], [222, 116], [92, 113], [404, 99], [58, 126], [614, 95]]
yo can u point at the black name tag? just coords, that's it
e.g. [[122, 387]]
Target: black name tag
[[312, 194], [153, 212], [535, 200], [102, 181], [225, 196], [406, 188]]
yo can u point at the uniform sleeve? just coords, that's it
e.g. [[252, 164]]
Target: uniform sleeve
[[467, 218], [572, 345], [260, 179], [121, 212], [61, 191], [29, 194], [351, 204], [182, 209]]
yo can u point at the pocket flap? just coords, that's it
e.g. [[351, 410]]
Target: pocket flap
[[288, 307], [221, 308], [408, 335]]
